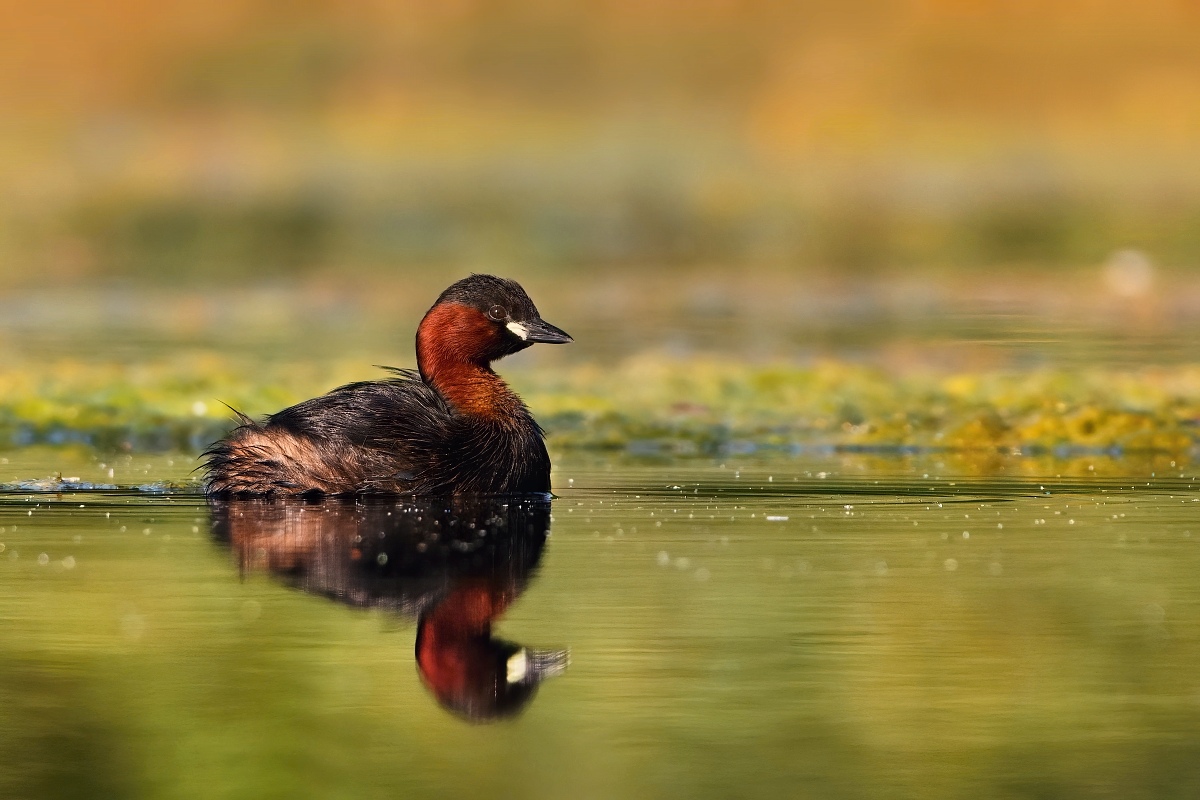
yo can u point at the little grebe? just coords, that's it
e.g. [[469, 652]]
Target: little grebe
[[451, 427]]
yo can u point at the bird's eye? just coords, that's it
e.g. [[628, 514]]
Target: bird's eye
[[497, 313]]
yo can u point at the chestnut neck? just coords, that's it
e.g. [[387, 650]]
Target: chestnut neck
[[455, 344]]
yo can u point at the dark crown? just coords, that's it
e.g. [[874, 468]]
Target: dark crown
[[482, 292]]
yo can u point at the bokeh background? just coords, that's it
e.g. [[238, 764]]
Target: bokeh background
[[958, 185], [245, 141]]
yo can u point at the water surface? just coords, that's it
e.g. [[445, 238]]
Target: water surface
[[775, 627]]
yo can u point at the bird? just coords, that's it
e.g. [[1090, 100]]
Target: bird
[[452, 427]]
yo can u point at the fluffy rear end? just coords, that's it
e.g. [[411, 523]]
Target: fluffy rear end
[[262, 460]]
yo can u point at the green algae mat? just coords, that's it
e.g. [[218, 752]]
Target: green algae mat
[[657, 368], [647, 404]]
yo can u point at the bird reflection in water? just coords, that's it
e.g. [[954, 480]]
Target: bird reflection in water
[[456, 565]]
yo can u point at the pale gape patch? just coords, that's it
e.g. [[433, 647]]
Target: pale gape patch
[[518, 329]]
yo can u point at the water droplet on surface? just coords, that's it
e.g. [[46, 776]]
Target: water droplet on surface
[[950, 564], [133, 626]]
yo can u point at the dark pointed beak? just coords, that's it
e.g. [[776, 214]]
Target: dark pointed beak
[[538, 330]]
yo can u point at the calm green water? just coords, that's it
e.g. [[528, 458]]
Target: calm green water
[[772, 628]]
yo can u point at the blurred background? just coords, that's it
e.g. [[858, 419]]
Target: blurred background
[[968, 184], [258, 140]]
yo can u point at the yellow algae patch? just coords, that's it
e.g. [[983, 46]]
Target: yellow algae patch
[[692, 404]]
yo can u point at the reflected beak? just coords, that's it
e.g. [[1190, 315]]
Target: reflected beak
[[537, 330], [548, 663]]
